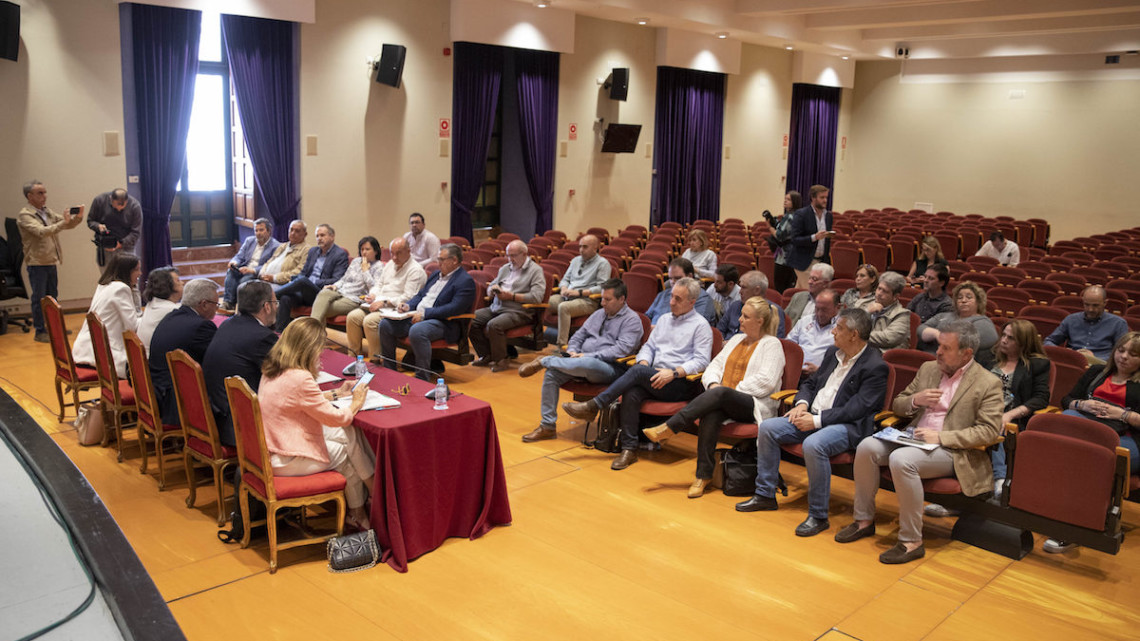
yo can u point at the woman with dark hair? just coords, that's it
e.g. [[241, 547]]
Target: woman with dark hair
[[863, 293], [162, 295], [784, 276], [348, 293], [116, 303]]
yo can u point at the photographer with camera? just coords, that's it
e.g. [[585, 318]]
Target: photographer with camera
[[116, 218], [779, 241], [39, 227]]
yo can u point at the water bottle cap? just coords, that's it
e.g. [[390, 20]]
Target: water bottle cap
[[359, 358], [439, 381]]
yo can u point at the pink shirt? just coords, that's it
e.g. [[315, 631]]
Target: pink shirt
[[294, 412], [935, 415]]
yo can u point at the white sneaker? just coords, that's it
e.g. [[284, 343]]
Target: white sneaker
[[997, 488], [1053, 546], [934, 509]]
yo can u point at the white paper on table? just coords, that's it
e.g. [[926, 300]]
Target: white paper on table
[[374, 401], [324, 377]]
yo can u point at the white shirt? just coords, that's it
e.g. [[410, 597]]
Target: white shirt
[[812, 339], [825, 398], [820, 225], [395, 286], [428, 300], [425, 247], [1010, 254], [155, 311]]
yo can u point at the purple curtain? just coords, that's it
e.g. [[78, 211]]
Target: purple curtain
[[537, 82], [478, 70], [165, 52], [811, 138], [688, 137], [264, 73]]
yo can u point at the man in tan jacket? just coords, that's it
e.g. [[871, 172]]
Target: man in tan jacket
[[952, 403], [289, 258], [39, 227]]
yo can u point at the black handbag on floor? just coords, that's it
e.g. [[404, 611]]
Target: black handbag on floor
[[353, 552], [740, 469]]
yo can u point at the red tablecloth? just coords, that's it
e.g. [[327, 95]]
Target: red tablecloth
[[438, 473]]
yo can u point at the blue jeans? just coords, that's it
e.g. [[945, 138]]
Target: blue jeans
[[997, 458], [560, 370], [819, 446], [45, 282], [1126, 440], [234, 279], [420, 336]]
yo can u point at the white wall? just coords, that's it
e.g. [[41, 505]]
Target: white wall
[[55, 104], [1063, 151]]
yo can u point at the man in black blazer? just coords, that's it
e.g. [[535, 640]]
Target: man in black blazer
[[812, 229], [238, 349], [448, 292], [189, 328], [833, 411], [324, 265]]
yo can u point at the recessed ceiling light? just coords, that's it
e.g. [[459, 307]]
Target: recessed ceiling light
[[643, 21], [846, 57], [788, 47], [722, 34], [542, 4]]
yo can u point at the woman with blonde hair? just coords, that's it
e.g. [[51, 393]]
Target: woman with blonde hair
[[863, 293], [738, 385], [304, 432], [969, 305], [929, 254], [699, 254]]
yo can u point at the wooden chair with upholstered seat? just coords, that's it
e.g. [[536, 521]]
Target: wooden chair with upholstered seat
[[203, 442], [117, 396], [276, 492], [149, 418], [69, 377]]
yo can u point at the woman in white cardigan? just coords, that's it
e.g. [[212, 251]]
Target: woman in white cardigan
[[738, 384], [116, 303]]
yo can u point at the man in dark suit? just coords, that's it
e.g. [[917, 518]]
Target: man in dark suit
[[812, 229], [833, 412], [238, 349], [325, 264], [448, 292], [189, 328]]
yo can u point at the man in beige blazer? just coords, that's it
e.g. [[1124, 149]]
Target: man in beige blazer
[[39, 229], [952, 402], [289, 258]]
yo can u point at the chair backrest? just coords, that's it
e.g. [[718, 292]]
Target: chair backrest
[[57, 334], [193, 403], [793, 364], [1070, 366], [905, 363], [139, 370], [104, 361], [643, 288], [253, 455]]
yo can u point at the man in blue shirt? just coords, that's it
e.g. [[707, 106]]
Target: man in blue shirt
[[680, 344], [1093, 332], [753, 283], [813, 333], [610, 333], [325, 264], [678, 269]]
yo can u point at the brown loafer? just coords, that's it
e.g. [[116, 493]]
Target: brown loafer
[[499, 366], [585, 411], [530, 369], [659, 433], [697, 489], [852, 532], [482, 361], [898, 554], [540, 433], [624, 460]]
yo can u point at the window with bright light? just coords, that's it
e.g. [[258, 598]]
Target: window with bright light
[[207, 164]]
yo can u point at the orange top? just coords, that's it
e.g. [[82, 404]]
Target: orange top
[[737, 364]]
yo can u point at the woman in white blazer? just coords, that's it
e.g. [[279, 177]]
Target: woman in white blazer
[[738, 384], [116, 303]]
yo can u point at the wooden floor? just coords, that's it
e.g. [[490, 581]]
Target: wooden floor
[[597, 554]]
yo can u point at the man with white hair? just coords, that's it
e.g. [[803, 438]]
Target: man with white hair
[[519, 281], [803, 303], [190, 328]]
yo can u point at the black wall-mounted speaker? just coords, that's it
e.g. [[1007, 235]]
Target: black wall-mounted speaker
[[619, 86], [391, 66], [9, 30]]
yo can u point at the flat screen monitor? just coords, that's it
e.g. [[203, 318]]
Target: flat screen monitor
[[621, 139]]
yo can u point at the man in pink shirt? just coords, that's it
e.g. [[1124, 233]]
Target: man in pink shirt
[[953, 403]]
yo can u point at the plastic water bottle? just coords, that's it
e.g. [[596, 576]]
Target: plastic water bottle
[[440, 395], [361, 369]]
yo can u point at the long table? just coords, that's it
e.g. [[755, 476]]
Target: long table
[[439, 474]]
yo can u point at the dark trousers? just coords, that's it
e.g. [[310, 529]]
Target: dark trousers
[[712, 408], [298, 292], [489, 331], [634, 387], [45, 282], [235, 279]]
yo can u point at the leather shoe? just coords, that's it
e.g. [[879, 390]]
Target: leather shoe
[[659, 433], [530, 369], [812, 526], [757, 504], [852, 532], [540, 433], [697, 489], [898, 554], [41, 337], [585, 411], [624, 460], [499, 366], [482, 361]]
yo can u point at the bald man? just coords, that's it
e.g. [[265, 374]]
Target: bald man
[[520, 281], [582, 280]]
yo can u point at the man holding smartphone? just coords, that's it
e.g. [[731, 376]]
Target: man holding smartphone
[[812, 231], [39, 227], [118, 215]]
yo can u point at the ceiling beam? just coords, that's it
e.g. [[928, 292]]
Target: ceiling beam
[[959, 12], [1073, 24]]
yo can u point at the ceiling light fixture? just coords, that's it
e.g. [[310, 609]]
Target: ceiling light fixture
[[788, 47], [722, 34], [643, 21], [846, 57], [542, 4]]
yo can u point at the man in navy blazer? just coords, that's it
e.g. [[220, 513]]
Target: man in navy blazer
[[448, 292], [238, 349], [189, 328], [255, 252], [324, 265], [812, 229], [834, 410]]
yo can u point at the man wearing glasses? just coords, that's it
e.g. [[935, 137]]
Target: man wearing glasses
[[520, 281], [190, 328]]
